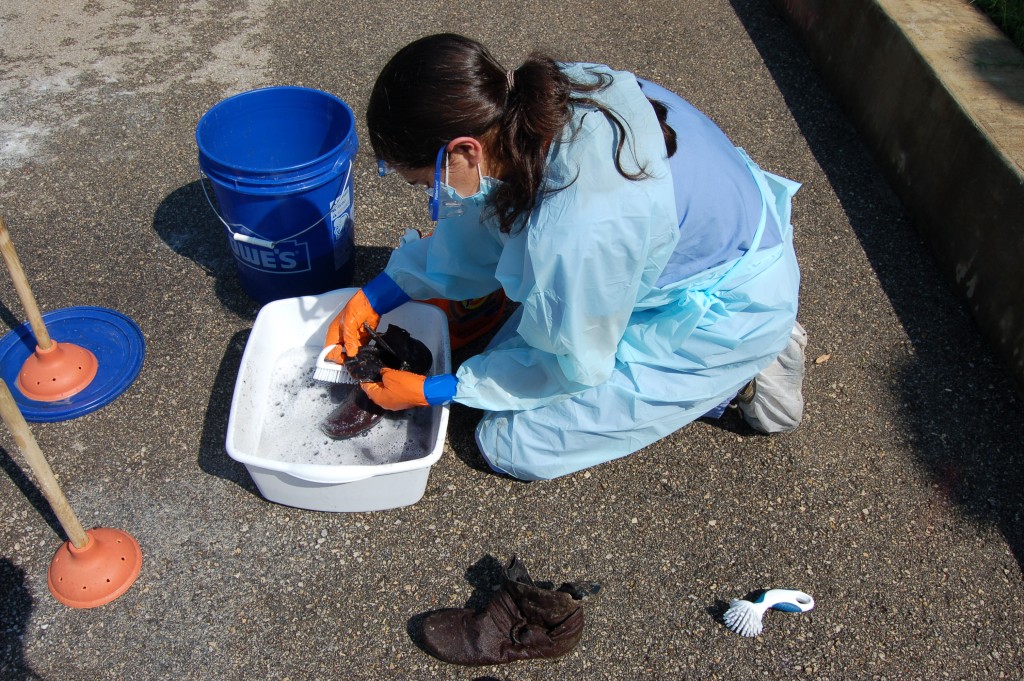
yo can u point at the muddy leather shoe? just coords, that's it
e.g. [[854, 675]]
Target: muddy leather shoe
[[521, 622]]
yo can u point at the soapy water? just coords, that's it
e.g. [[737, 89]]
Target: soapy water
[[296, 405]]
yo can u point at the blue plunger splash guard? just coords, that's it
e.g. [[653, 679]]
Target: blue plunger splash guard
[[114, 339]]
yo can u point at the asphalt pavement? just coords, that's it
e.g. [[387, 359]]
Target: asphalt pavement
[[896, 504]]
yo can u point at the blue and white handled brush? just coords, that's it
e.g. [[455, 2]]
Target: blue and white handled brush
[[744, 617], [331, 372]]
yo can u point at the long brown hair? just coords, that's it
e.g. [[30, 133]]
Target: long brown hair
[[445, 86]]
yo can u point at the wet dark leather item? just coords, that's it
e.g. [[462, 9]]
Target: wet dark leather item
[[522, 621], [396, 349]]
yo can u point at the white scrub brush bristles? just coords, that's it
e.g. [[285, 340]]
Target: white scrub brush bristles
[[331, 372], [744, 617]]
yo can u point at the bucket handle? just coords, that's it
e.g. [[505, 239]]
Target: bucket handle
[[257, 240]]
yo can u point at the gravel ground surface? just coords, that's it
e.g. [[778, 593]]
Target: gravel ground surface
[[896, 504]]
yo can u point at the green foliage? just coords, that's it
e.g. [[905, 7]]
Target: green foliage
[[1007, 15]]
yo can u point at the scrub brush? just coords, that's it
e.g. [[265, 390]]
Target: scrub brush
[[331, 372], [744, 617]]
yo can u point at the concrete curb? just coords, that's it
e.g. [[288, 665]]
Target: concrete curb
[[937, 91]]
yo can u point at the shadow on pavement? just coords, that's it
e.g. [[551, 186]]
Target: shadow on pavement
[[32, 493], [9, 317], [993, 61], [188, 225], [461, 436], [213, 457], [962, 412], [15, 611]]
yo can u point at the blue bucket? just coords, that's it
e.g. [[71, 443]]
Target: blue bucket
[[280, 161]]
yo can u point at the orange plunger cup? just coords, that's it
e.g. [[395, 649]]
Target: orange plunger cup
[[95, 566], [55, 370]]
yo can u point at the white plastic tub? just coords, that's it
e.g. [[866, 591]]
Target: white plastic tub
[[294, 326]]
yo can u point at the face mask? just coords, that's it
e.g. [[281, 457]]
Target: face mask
[[445, 202]]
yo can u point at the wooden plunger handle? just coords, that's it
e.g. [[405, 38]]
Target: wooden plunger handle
[[44, 474], [28, 301]]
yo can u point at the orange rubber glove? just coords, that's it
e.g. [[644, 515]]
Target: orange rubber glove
[[347, 332], [379, 296], [397, 390]]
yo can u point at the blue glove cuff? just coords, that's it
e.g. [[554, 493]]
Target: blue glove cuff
[[440, 389], [384, 294]]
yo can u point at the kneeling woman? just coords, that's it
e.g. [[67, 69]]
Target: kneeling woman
[[653, 260]]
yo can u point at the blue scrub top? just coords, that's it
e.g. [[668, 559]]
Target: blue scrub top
[[717, 201]]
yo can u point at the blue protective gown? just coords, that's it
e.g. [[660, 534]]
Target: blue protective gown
[[644, 304]]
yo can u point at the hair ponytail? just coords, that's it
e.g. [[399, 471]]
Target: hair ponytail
[[536, 110], [445, 86], [666, 130]]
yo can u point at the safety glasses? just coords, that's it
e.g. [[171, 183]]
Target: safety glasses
[[442, 204]]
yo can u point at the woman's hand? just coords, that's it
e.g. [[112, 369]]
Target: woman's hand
[[347, 330], [399, 390], [380, 296]]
